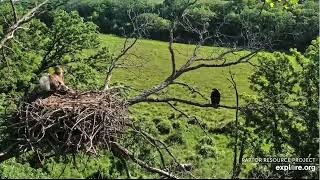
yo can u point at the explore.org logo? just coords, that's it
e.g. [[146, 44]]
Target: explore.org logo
[[292, 167]]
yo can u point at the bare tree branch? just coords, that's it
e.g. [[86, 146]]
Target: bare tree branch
[[187, 116], [243, 59], [11, 151], [14, 11], [173, 60], [114, 61], [138, 31], [220, 56], [154, 141], [24, 19], [183, 101], [191, 64], [120, 150], [190, 89], [235, 172]]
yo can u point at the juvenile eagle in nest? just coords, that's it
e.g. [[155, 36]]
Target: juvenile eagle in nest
[[54, 82], [215, 98]]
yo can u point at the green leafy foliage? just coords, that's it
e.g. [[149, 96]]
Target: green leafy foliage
[[83, 77], [81, 166], [68, 36], [283, 115], [287, 24], [200, 14], [152, 21], [40, 47], [284, 3]]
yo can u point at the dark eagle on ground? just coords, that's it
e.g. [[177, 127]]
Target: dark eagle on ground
[[215, 98]]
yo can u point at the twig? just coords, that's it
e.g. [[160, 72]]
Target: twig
[[236, 169], [26, 18], [193, 90], [185, 115]]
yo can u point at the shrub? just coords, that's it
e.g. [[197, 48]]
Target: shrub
[[205, 147], [192, 121], [176, 125], [164, 127], [175, 138], [172, 116], [206, 140], [206, 151], [156, 120]]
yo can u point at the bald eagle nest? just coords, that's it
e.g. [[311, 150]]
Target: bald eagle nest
[[73, 122]]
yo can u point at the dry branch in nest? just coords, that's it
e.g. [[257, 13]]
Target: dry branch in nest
[[73, 122]]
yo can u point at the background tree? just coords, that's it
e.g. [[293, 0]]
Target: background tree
[[285, 109], [293, 26], [33, 49]]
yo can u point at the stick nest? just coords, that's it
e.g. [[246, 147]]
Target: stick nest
[[73, 122]]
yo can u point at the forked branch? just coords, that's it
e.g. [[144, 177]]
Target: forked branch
[[24, 19]]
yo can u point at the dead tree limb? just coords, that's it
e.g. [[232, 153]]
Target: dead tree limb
[[183, 101], [5, 152], [152, 142], [163, 145], [173, 58], [236, 168], [14, 12], [13, 150], [243, 59], [186, 68], [191, 89], [114, 62], [188, 117]]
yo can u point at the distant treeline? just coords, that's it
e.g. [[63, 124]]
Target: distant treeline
[[230, 21]]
